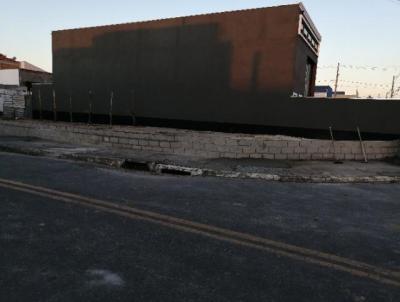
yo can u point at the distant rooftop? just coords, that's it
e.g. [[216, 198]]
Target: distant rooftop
[[28, 66], [12, 63]]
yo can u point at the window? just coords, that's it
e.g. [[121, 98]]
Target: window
[[306, 32]]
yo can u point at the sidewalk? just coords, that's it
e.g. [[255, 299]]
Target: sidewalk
[[273, 170]]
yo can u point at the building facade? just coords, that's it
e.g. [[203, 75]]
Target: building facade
[[254, 68], [204, 67]]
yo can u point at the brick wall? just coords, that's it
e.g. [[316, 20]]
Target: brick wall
[[198, 143], [12, 101]]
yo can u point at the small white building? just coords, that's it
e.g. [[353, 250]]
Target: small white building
[[10, 77], [17, 77]]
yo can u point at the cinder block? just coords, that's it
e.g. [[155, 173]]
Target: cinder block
[[133, 142], [299, 150], [231, 142], [275, 150], [262, 149], [359, 157], [178, 151], [287, 150], [293, 144], [212, 154], [219, 141], [312, 150], [249, 150], [211, 147], [304, 156], [317, 156], [235, 149], [143, 142], [344, 150], [276, 143], [163, 137], [198, 146], [324, 150], [381, 156], [229, 155], [328, 156], [165, 145], [305, 143], [294, 156], [176, 145], [123, 141], [154, 143], [245, 142], [281, 156]]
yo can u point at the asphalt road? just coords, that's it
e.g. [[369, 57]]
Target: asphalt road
[[126, 236]]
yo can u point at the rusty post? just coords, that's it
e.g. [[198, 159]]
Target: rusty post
[[90, 108], [362, 145], [335, 159], [133, 108], [70, 108], [111, 107], [333, 143], [40, 105], [54, 106]]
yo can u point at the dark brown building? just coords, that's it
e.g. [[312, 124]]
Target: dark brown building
[[196, 63], [222, 69]]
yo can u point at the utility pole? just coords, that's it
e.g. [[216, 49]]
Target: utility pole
[[392, 90], [337, 79]]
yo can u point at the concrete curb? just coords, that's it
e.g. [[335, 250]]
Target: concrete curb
[[304, 179], [174, 169]]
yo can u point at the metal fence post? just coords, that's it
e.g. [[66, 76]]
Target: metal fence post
[[111, 107], [70, 108], [54, 106], [40, 105], [133, 108], [362, 145], [336, 161], [90, 107]]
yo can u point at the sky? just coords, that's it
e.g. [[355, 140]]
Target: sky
[[363, 35]]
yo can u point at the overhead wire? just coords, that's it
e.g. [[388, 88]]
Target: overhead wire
[[356, 83], [362, 67]]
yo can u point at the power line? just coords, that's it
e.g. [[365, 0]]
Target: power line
[[395, 1], [362, 67], [356, 83]]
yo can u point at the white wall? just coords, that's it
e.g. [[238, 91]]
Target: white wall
[[320, 94], [9, 77]]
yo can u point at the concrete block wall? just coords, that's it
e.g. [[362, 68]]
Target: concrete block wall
[[12, 101], [199, 143]]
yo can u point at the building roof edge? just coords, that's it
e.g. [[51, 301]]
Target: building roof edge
[[179, 17]]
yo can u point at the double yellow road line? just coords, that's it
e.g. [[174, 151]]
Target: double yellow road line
[[331, 261]]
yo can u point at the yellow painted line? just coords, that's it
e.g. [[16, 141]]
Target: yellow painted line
[[353, 267]]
